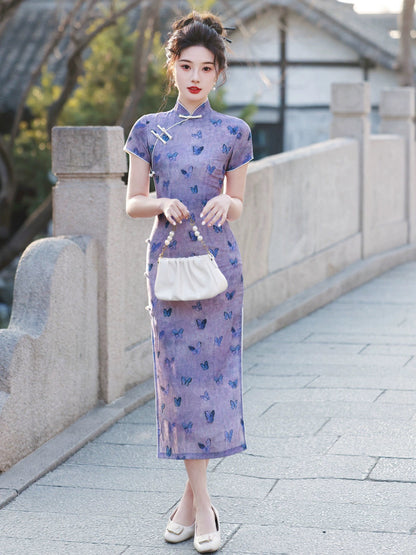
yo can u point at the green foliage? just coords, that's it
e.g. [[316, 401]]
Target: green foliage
[[105, 84], [31, 154], [202, 5], [248, 112]]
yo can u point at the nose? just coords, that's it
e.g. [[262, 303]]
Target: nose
[[195, 76]]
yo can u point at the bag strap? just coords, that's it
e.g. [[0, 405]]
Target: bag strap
[[190, 220]]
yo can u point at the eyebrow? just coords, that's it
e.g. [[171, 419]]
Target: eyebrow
[[191, 62]]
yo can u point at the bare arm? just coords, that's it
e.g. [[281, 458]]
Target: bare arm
[[139, 203], [229, 205]]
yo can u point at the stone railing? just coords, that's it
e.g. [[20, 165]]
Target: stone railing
[[79, 334]]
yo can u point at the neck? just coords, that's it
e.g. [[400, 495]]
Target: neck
[[191, 106]]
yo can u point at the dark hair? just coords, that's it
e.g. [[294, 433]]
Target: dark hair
[[196, 29]]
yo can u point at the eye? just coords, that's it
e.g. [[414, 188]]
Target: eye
[[207, 68], [185, 66]]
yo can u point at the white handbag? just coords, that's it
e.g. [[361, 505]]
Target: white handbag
[[188, 278]]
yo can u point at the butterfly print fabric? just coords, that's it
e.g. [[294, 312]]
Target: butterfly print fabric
[[197, 345]]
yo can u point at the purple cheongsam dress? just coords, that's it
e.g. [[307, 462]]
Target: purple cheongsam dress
[[197, 345]]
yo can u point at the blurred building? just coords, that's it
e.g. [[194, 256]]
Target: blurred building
[[286, 53]]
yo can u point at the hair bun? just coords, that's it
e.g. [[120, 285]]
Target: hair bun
[[213, 22], [208, 19]]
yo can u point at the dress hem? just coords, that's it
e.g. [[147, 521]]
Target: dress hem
[[225, 453]]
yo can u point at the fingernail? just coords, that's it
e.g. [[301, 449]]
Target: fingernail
[[203, 222], [200, 215]]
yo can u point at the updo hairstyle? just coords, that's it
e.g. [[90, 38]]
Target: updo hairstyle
[[196, 29]]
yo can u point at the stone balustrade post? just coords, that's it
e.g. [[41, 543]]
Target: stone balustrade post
[[89, 199], [397, 113], [350, 107]]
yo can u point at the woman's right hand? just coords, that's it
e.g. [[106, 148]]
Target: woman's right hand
[[174, 210]]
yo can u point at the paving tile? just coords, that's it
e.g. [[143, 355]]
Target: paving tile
[[142, 415], [266, 427], [6, 493], [277, 382], [392, 381], [392, 350], [127, 432], [135, 479], [310, 466], [341, 491], [338, 515], [306, 349], [269, 396], [342, 409], [85, 500], [394, 469], [29, 546], [368, 338], [279, 540], [289, 446], [369, 427], [381, 445], [333, 358], [399, 397]]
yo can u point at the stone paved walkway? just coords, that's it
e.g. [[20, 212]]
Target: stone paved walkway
[[330, 407]]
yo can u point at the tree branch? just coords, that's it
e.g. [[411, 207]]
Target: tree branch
[[36, 223], [75, 65], [38, 69], [146, 32], [7, 10]]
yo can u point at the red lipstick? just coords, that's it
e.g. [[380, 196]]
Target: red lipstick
[[194, 90]]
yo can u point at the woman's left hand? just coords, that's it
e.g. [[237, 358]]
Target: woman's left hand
[[216, 210]]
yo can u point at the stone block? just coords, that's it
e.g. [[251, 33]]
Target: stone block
[[88, 150], [352, 99], [397, 102], [254, 240], [52, 360]]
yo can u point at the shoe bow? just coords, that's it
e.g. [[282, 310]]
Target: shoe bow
[[174, 527], [205, 538]]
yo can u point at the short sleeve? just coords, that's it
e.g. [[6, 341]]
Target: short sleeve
[[137, 142], [242, 151]]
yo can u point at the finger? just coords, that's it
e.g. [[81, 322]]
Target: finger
[[183, 211], [210, 212], [215, 216], [206, 209], [224, 217]]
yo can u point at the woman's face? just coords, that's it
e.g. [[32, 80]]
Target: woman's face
[[195, 75]]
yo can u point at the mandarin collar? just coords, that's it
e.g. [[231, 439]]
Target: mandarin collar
[[199, 111]]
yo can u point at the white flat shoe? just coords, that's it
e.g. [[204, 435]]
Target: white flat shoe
[[176, 532], [208, 543]]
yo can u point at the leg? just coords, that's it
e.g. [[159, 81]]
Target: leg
[[185, 513], [197, 474]]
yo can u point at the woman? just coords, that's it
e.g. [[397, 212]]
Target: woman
[[197, 345]]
